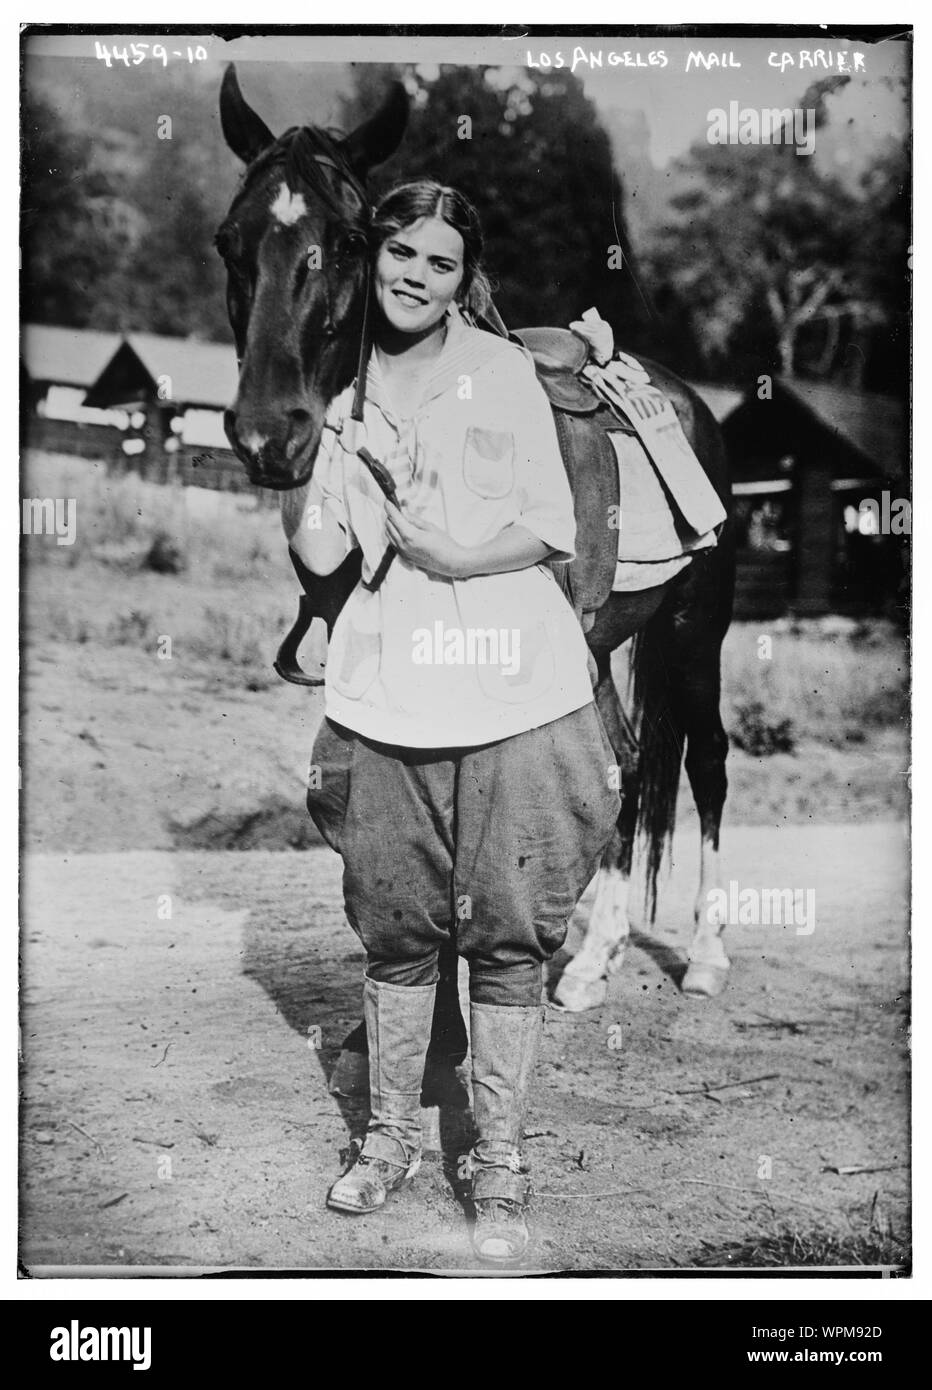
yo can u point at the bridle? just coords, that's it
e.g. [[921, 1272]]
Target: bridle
[[365, 340]]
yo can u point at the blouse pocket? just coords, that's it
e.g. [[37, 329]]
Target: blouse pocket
[[489, 462], [355, 648]]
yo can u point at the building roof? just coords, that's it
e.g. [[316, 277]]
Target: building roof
[[857, 434], [65, 356], [721, 400], [114, 368], [876, 426], [202, 374]]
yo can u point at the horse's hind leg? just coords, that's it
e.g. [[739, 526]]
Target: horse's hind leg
[[706, 747], [584, 982], [697, 633]]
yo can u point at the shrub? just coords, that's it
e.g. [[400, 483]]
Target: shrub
[[760, 735], [132, 629], [166, 554]]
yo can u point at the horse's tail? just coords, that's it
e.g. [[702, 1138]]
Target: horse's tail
[[660, 747]]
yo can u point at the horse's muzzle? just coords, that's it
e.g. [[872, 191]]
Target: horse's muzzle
[[273, 459]]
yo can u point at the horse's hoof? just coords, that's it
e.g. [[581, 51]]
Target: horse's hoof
[[703, 981], [350, 1076], [575, 995]]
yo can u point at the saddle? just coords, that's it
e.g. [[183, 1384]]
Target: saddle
[[582, 422]]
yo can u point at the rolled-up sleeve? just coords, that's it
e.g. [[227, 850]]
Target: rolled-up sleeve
[[545, 500]]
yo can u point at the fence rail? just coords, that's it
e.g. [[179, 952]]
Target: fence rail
[[216, 469]]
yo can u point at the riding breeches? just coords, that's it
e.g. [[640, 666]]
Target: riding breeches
[[491, 845]]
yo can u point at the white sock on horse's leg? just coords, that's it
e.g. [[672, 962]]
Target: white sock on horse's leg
[[708, 964], [584, 982]]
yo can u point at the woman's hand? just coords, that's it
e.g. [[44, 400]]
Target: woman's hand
[[424, 544]]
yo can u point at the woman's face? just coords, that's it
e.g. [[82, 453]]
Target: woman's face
[[418, 271]]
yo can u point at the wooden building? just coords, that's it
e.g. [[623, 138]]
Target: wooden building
[[57, 366], [821, 487], [162, 398]]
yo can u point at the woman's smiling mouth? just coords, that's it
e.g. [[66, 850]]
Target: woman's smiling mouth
[[411, 300]]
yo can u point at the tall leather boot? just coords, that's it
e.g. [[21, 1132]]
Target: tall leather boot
[[505, 1045], [398, 1019], [447, 1050]]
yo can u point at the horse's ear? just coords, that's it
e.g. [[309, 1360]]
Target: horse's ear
[[376, 139], [246, 133]]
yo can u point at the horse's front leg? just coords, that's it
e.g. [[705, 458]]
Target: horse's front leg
[[584, 982]]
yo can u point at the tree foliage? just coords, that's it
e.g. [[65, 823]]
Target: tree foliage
[[768, 263], [117, 230]]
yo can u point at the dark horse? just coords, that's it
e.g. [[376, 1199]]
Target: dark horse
[[297, 320]]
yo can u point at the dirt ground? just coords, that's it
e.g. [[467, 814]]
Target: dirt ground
[[183, 1002], [176, 1111]]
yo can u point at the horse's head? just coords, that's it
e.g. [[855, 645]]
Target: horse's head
[[295, 247]]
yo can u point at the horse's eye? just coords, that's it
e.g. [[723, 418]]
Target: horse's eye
[[353, 244]]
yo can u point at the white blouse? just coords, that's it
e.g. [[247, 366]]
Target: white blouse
[[432, 662]]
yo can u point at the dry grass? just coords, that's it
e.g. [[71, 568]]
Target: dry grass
[[202, 567], [831, 681], [789, 1247], [222, 537]]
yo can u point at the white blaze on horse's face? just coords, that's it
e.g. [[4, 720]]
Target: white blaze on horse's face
[[417, 273], [288, 208]]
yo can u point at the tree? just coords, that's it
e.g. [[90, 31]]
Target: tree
[[173, 282], [75, 223], [117, 225], [765, 258]]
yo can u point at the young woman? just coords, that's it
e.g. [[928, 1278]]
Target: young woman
[[463, 771]]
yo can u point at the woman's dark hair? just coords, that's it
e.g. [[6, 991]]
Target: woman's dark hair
[[409, 202]]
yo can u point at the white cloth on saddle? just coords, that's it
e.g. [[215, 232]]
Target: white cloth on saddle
[[653, 416], [651, 546]]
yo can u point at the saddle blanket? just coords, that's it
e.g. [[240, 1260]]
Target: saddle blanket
[[654, 543]]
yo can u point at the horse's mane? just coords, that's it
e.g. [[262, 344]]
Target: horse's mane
[[297, 151]]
